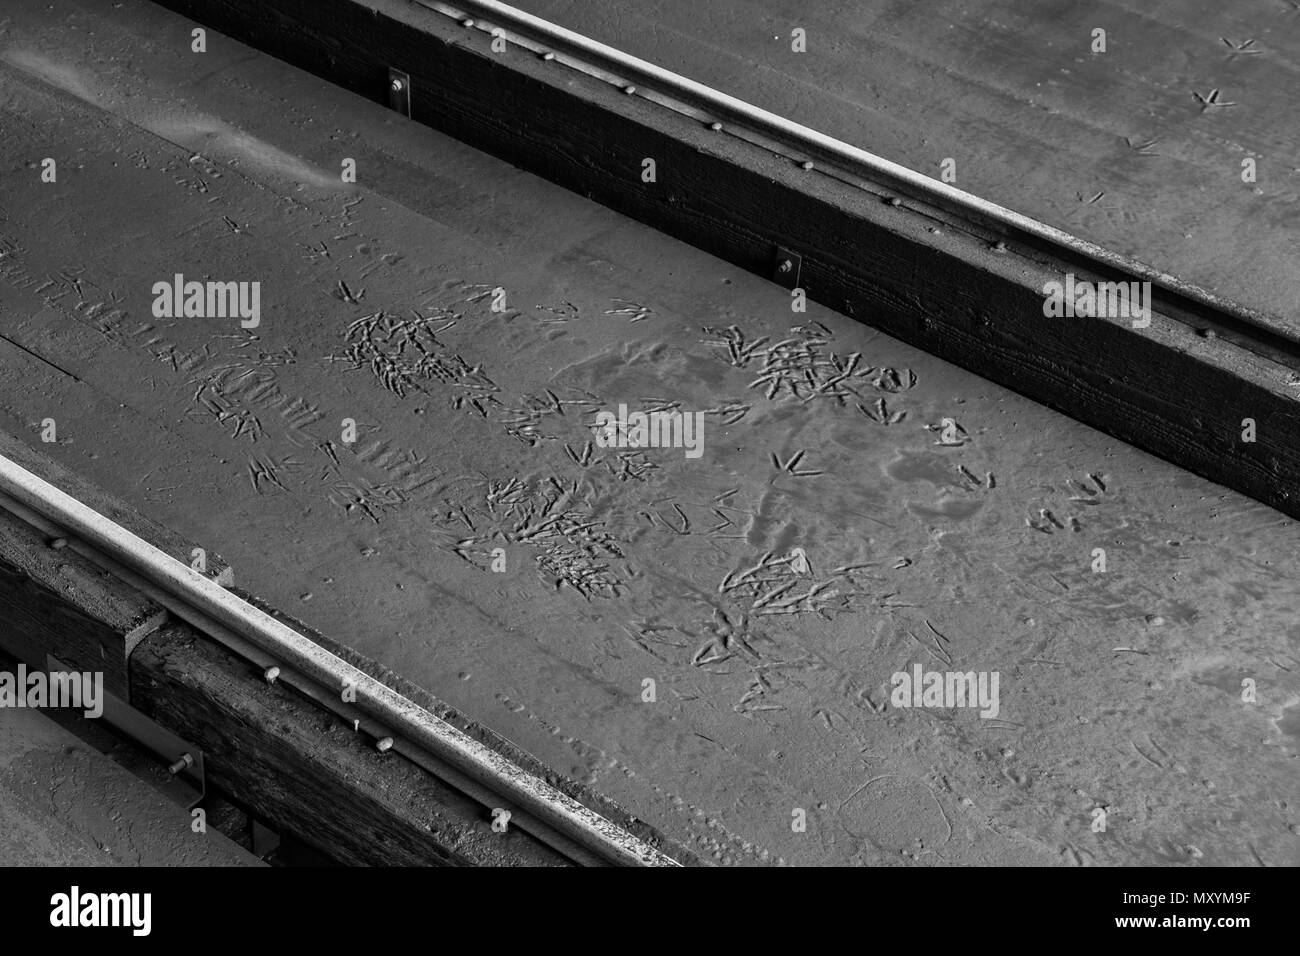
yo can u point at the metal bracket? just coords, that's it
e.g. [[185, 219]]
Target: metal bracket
[[189, 779], [265, 840], [399, 91], [786, 266]]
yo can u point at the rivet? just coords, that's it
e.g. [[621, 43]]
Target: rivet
[[629, 89], [384, 744], [58, 544], [548, 56], [806, 164], [895, 201], [467, 22], [716, 127], [271, 673]]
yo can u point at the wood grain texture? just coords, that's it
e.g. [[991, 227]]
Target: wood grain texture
[[583, 794], [54, 601], [299, 768], [912, 271]]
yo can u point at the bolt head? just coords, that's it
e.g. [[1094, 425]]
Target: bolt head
[[785, 266], [397, 86]]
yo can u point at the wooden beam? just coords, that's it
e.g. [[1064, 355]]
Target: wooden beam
[[301, 769], [284, 757], [585, 795], [1185, 388], [281, 754], [54, 601]]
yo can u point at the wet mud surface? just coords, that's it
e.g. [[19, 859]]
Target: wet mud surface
[[859, 508]]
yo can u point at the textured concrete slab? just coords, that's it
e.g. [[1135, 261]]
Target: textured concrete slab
[[63, 803]]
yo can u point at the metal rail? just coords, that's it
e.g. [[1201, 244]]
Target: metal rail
[[632, 72], [198, 598]]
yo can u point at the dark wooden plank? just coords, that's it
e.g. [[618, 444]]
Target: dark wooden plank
[[580, 792], [54, 601], [301, 769], [914, 271]]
